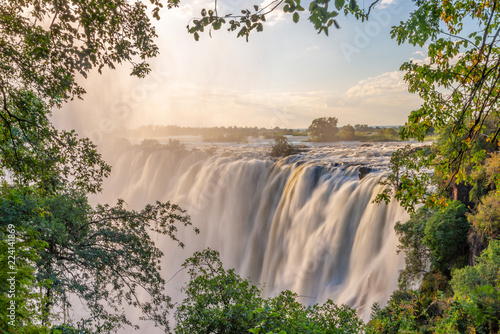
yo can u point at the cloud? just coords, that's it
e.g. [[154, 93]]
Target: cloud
[[313, 48], [386, 3], [378, 100], [389, 83]]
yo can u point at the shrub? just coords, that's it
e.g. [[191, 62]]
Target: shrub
[[486, 220], [282, 147], [446, 236], [219, 301]]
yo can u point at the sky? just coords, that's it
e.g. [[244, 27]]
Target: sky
[[285, 76]]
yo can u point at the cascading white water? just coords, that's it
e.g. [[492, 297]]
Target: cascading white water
[[304, 223]]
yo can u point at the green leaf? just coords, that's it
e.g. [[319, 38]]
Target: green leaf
[[353, 4], [296, 17], [339, 4]]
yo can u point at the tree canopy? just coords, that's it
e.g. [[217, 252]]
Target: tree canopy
[[220, 301], [323, 129], [54, 242]]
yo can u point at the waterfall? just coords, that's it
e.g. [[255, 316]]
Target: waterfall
[[305, 223]]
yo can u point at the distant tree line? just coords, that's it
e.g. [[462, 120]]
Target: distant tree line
[[212, 134], [322, 129]]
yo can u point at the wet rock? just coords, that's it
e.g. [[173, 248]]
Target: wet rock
[[363, 171]]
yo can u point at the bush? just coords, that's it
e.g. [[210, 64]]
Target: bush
[[404, 313], [347, 133], [282, 147], [477, 291], [446, 236], [411, 238], [486, 220], [219, 301]]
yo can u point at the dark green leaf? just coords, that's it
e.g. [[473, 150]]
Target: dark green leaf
[[353, 4]]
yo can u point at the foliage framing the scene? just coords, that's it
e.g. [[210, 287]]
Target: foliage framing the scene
[[64, 248]]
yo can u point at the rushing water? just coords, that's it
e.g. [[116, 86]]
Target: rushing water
[[305, 223]]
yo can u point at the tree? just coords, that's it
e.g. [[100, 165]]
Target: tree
[[323, 129], [104, 255], [477, 292], [320, 14], [88, 250], [391, 132], [35, 153], [43, 48], [362, 128], [45, 45], [347, 132], [458, 87], [19, 248], [417, 254], [404, 313], [446, 236], [219, 301], [282, 147]]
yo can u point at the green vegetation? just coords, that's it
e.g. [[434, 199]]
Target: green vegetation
[[282, 147], [454, 180], [214, 134], [323, 129], [219, 301], [234, 134]]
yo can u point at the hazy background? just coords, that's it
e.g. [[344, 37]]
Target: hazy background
[[285, 76]]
